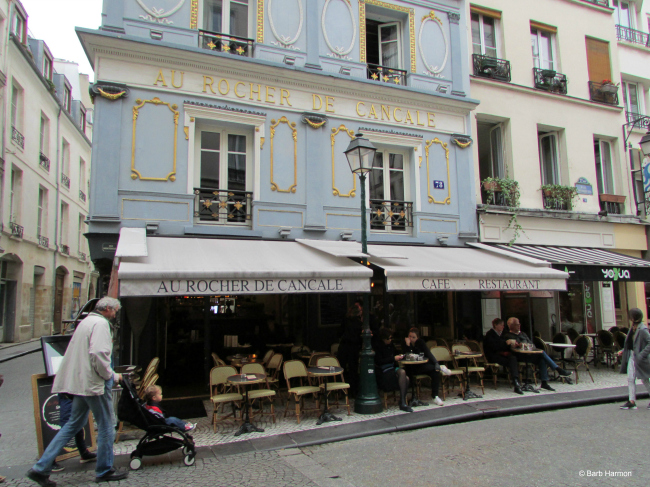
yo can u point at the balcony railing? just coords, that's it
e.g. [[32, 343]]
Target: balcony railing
[[82, 196], [16, 230], [549, 80], [630, 35], [17, 137], [613, 204], [396, 216], [642, 121], [601, 3], [65, 249], [491, 67], [43, 241], [65, 180], [386, 74], [603, 92], [82, 256], [551, 203], [216, 41], [44, 162], [225, 207]]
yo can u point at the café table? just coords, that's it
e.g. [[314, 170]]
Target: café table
[[527, 386], [415, 401], [469, 394], [245, 380], [323, 371], [563, 348]]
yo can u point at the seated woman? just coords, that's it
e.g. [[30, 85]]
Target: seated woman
[[389, 377]]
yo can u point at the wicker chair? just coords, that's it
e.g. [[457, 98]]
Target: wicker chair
[[606, 345], [482, 361], [220, 392], [262, 392], [334, 385], [295, 369], [580, 353], [443, 356], [470, 369]]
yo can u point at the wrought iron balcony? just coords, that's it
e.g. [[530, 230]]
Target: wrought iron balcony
[[43, 241], [222, 206], [601, 3], [386, 74], [613, 204], [17, 137], [65, 250], [82, 256], [603, 92], [215, 41], [396, 216], [44, 162], [65, 180], [631, 35], [551, 203], [491, 67], [82, 196], [549, 80], [16, 230], [642, 121]]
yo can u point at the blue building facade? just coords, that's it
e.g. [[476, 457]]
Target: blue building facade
[[228, 119]]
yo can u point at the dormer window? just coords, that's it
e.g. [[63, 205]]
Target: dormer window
[[47, 66], [234, 22], [19, 24], [67, 98]]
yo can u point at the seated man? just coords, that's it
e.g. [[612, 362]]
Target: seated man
[[498, 351], [515, 338], [415, 344]]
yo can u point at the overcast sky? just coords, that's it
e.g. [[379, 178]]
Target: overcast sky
[[54, 22]]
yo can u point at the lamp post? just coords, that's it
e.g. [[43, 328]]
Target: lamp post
[[645, 144], [361, 154]]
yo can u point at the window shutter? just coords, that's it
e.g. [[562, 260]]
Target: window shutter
[[598, 60]]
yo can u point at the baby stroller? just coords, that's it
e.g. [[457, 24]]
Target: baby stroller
[[159, 437]]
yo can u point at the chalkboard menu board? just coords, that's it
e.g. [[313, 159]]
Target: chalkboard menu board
[[46, 416], [333, 308]]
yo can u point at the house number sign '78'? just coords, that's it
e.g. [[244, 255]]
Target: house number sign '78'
[[438, 184]]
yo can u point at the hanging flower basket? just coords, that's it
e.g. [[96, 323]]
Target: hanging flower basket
[[612, 198]]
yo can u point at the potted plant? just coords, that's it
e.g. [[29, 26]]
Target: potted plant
[[509, 192], [548, 73], [607, 86], [558, 197]]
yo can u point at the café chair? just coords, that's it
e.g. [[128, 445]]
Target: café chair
[[221, 393], [572, 334], [482, 361], [334, 385], [606, 345], [313, 360], [580, 354], [431, 343], [295, 369], [441, 342], [559, 353], [267, 356], [217, 361], [443, 356], [262, 392], [334, 349], [150, 381], [470, 368], [149, 371]]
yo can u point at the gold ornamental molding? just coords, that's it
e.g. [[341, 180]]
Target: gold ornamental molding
[[335, 190], [428, 144], [194, 14], [135, 174], [362, 27], [294, 134], [260, 21]]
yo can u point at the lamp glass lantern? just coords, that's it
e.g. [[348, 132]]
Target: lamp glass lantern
[[645, 144], [360, 154]]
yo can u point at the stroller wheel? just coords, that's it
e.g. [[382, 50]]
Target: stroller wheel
[[136, 463], [187, 450], [188, 460]]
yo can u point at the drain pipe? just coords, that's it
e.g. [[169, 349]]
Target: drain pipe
[[56, 216]]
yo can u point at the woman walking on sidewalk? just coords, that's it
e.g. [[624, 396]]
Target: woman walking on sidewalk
[[634, 361]]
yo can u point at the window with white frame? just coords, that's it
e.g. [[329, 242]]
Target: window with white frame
[[19, 24], [384, 43], [80, 233], [67, 98], [65, 163], [491, 153], [549, 160], [82, 178], [631, 100], [63, 225], [223, 171], [41, 217], [227, 17], [47, 66], [624, 13], [604, 172], [388, 191], [44, 136], [16, 106], [543, 44], [484, 35], [15, 190]]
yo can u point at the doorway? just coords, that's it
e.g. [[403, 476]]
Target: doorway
[[58, 298]]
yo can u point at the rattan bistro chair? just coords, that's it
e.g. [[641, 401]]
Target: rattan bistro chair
[[606, 345], [296, 370], [470, 368], [580, 354], [443, 356], [261, 393], [220, 392], [333, 385]]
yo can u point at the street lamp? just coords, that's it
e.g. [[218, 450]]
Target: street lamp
[[645, 144], [361, 154]]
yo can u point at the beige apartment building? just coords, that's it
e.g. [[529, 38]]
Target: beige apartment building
[[555, 81], [45, 271]]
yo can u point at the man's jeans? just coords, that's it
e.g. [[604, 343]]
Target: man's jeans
[[101, 408], [538, 360], [65, 409]]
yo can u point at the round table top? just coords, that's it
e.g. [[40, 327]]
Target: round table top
[[324, 370], [123, 369], [467, 355], [562, 345], [413, 362], [528, 351], [244, 378]]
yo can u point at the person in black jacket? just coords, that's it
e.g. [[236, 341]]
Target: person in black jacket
[[415, 344], [497, 351], [389, 377]]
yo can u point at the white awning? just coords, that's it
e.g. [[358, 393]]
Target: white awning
[[341, 248], [206, 267], [132, 242], [466, 269]]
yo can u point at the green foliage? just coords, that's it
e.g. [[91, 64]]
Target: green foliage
[[509, 189], [557, 196]]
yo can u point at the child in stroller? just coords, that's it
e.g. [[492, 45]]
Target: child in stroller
[[159, 437], [153, 397]]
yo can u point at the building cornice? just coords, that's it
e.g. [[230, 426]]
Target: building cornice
[[561, 215]]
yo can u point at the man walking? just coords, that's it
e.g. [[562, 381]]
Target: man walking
[[84, 373]]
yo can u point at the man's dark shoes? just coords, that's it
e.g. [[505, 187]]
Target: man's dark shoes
[[406, 407], [629, 405], [57, 467], [546, 386], [88, 456], [112, 475], [518, 387], [563, 373], [41, 479]]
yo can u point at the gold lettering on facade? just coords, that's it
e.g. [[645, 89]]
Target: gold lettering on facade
[[320, 102], [408, 117], [385, 110], [395, 114], [372, 112], [236, 92], [329, 103], [430, 119], [258, 90], [174, 75], [160, 79], [269, 96], [284, 95], [206, 83], [221, 82], [418, 117], [359, 112]]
